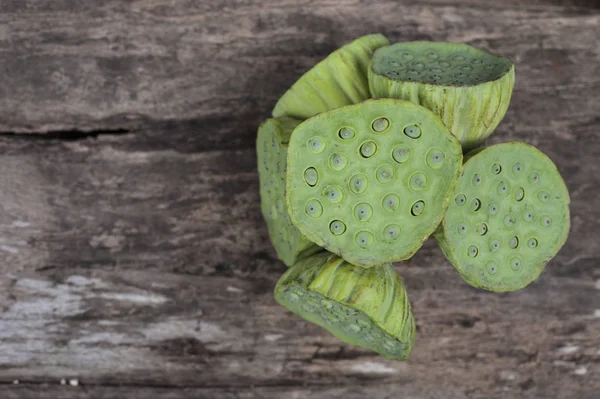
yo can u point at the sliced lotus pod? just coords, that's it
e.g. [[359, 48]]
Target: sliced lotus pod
[[363, 307], [271, 148], [509, 217], [338, 80], [467, 88], [371, 181]]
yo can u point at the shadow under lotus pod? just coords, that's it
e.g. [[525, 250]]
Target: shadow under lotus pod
[[509, 217], [469, 89], [363, 307]]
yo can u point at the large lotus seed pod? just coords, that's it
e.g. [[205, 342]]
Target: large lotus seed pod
[[363, 307], [467, 88], [508, 218], [338, 80], [371, 181], [271, 148]]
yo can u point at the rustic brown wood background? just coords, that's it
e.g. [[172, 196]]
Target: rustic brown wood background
[[135, 263]]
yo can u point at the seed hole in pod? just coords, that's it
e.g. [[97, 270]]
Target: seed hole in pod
[[513, 242], [432, 55], [492, 267], [364, 239], [384, 173], [401, 153], [528, 215], [533, 178], [316, 145], [494, 244], [368, 149], [353, 328], [413, 72], [466, 68], [546, 221], [380, 124], [419, 65], [338, 161], [333, 193], [477, 61], [273, 212], [517, 168], [460, 199], [346, 133], [436, 70], [444, 64], [496, 169], [417, 208], [460, 75], [391, 232], [391, 202], [544, 196], [407, 56], [502, 188], [493, 208], [363, 212], [473, 251], [412, 131], [509, 220], [418, 181], [532, 243], [462, 228], [515, 263], [520, 194], [358, 183], [435, 158], [475, 204], [337, 227], [482, 229]]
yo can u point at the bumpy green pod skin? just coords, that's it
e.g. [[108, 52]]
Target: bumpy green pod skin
[[371, 181], [363, 307], [469, 89], [338, 80], [509, 217], [271, 148]]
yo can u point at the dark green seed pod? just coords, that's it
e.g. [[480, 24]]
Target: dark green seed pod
[[398, 168], [271, 147], [526, 219], [467, 88], [360, 306], [338, 80]]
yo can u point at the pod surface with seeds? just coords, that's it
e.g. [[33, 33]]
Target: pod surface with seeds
[[271, 148], [469, 89], [371, 181], [340, 79], [363, 307], [508, 218]]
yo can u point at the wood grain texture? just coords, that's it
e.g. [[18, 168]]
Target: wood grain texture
[[133, 256]]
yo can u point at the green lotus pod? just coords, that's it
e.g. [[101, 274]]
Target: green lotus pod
[[467, 88], [508, 218], [271, 148], [371, 181], [338, 80], [363, 307]]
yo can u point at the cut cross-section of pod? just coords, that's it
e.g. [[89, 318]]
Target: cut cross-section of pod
[[271, 148], [338, 80], [508, 218], [467, 88], [371, 181], [360, 306]]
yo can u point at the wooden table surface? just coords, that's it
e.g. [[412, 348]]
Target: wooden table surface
[[134, 259]]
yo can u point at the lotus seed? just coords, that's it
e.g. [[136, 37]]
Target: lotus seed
[[337, 227], [401, 153], [417, 208], [532, 243], [368, 149], [384, 173], [473, 251], [391, 202], [475, 204], [380, 124], [316, 145], [337, 161], [546, 221], [363, 212], [444, 64], [494, 244], [502, 188], [492, 267], [346, 133], [459, 58], [407, 56], [515, 263], [334, 194], [513, 242], [364, 239], [432, 55], [358, 183], [520, 194], [517, 168], [413, 131], [533, 178], [462, 228], [460, 199], [482, 229], [543, 196], [435, 158], [311, 177], [391, 232], [353, 328], [509, 220], [418, 181], [493, 208], [527, 215]]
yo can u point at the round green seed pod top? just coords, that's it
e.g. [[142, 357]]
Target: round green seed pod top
[[509, 217], [338, 80], [271, 147], [363, 307], [469, 89]]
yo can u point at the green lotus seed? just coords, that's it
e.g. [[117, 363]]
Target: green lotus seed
[[333, 193], [520, 194], [417, 208], [476, 179], [338, 161], [509, 220], [482, 229], [391, 202], [546, 221], [460, 199], [435, 158], [493, 208], [384, 174], [363, 212], [337, 227], [494, 244], [418, 181], [473, 251], [432, 55], [311, 177], [346, 133], [462, 228], [515, 263], [391, 232], [316, 145], [543, 196], [380, 124], [364, 239], [368, 149], [475, 204], [401, 153], [358, 183], [496, 169], [532, 243], [533, 178], [412, 131], [444, 64], [314, 208], [502, 188], [528, 215], [517, 168], [492, 267], [513, 242]]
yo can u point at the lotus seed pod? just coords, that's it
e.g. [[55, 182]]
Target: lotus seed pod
[[509, 217], [467, 88], [363, 307], [271, 148], [338, 80], [381, 190]]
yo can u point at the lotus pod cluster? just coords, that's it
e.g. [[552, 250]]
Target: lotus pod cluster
[[363, 161]]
